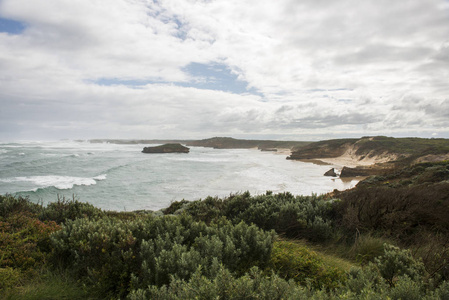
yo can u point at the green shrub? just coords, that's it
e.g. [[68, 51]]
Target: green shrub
[[301, 216], [361, 280], [175, 207], [64, 209], [119, 256], [406, 289], [442, 292], [293, 261], [11, 205], [396, 262], [206, 210], [224, 285]]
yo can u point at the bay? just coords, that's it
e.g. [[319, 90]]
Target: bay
[[120, 177]]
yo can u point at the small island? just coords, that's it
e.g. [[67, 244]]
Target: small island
[[167, 148]]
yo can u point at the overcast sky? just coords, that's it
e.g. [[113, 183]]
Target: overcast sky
[[284, 69]]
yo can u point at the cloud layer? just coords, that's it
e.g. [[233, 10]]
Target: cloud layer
[[190, 69]]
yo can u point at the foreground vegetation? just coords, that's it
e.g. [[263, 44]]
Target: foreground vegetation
[[383, 239]]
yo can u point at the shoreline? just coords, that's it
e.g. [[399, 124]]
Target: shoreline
[[346, 161]]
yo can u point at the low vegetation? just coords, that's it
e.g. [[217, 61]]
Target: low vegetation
[[385, 239]]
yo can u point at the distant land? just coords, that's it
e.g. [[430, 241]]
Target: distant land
[[217, 143], [356, 156]]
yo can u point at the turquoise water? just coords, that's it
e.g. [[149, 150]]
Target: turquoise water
[[120, 177]]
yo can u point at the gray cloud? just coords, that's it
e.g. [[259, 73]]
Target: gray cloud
[[313, 68]]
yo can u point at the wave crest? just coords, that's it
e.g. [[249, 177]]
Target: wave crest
[[59, 182]]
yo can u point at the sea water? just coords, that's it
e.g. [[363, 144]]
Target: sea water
[[121, 177]]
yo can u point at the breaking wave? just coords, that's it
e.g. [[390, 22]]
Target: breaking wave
[[59, 182]]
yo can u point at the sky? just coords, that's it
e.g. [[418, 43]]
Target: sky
[[258, 69]]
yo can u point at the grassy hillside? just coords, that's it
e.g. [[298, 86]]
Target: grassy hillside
[[405, 149]]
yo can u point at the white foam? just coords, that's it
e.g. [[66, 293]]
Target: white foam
[[59, 182], [100, 177], [199, 159]]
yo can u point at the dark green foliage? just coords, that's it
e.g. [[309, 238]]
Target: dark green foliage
[[224, 285], [64, 209], [205, 210], [118, 256], [11, 205], [175, 206], [396, 262], [295, 216], [366, 283], [360, 281], [442, 292], [395, 274], [211, 249]]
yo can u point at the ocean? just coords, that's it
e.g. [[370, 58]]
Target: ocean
[[122, 178]]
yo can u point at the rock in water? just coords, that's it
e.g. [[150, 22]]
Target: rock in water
[[167, 148], [331, 172]]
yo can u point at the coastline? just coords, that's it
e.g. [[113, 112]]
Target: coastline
[[347, 160]]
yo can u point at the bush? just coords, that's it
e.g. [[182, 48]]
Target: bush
[[24, 240], [301, 216], [224, 285], [406, 288], [396, 262], [442, 292], [292, 261], [119, 256], [362, 280], [63, 210], [11, 205]]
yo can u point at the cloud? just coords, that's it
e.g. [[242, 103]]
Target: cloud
[[181, 69]]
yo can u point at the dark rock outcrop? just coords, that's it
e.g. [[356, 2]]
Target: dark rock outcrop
[[331, 173], [167, 148]]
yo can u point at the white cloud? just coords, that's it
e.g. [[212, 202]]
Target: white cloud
[[319, 67]]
